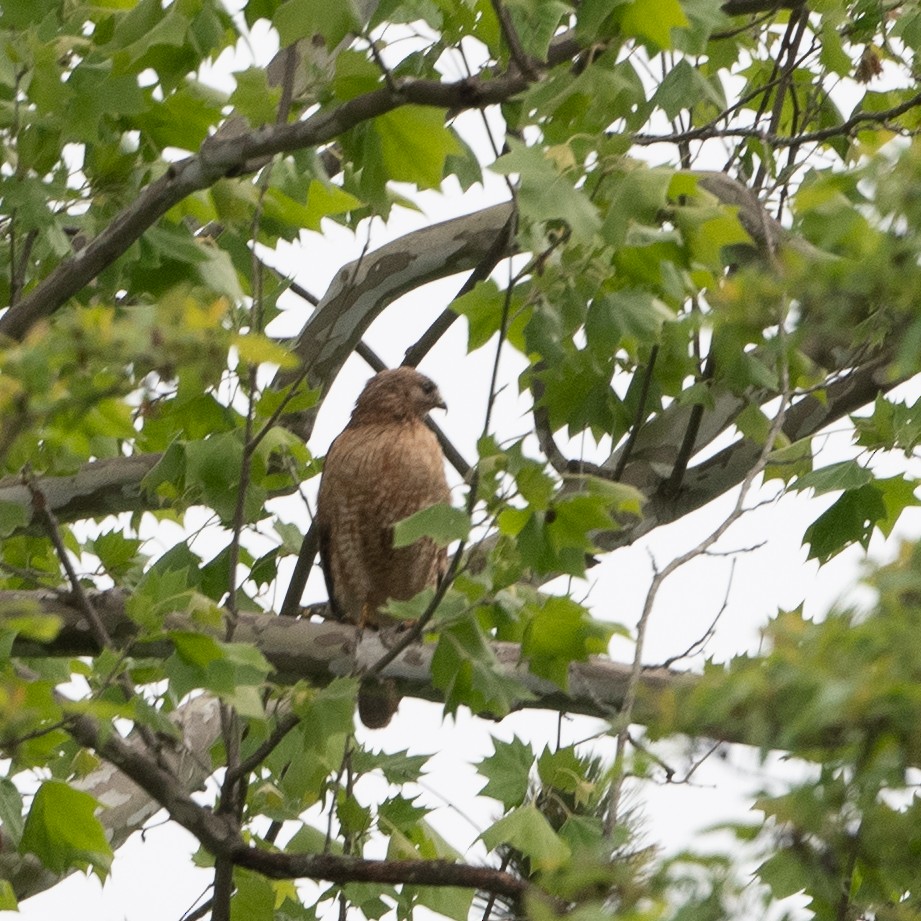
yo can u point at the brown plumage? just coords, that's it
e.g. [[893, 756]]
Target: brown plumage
[[384, 466]]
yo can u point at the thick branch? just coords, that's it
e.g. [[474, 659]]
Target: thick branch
[[725, 470], [99, 488], [220, 835], [364, 288], [321, 651]]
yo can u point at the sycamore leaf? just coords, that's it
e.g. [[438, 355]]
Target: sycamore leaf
[[465, 667], [254, 98], [13, 516], [11, 811], [560, 632], [843, 475], [442, 523], [414, 144], [483, 309], [42, 628], [324, 199], [446, 901], [545, 194], [850, 520], [527, 830], [8, 901], [253, 898], [535, 22], [63, 832], [507, 771], [256, 349], [898, 494], [329, 711], [398, 767], [790, 462], [298, 19], [653, 20]]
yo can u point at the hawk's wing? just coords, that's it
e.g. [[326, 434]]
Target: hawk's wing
[[324, 534]]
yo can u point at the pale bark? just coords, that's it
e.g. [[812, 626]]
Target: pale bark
[[298, 649]]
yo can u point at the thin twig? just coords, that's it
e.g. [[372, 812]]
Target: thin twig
[[689, 441], [845, 129], [707, 635], [521, 58], [285, 724], [497, 251], [659, 578], [639, 416]]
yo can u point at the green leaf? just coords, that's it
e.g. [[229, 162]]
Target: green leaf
[[117, 553], [196, 649], [527, 830], [414, 143], [637, 197], [892, 425], [254, 897], [63, 832], [398, 767], [629, 318], [446, 901], [8, 901], [685, 87], [297, 19], [13, 516], [40, 627], [507, 771], [753, 424], [256, 349], [253, 98], [483, 309], [653, 20], [11, 818], [356, 74], [850, 520], [710, 230], [442, 523], [785, 874], [898, 494], [236, 672], [536, 22], [791, 462], [465, 668], [843, 475], [329, 711], [560, 632], [562, 769], [545, 193], [213, 468], [325, 199]]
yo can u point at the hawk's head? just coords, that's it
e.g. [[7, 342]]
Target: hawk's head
[[397, 394]]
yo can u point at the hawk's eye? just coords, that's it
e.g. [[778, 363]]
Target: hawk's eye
[[428, 386]]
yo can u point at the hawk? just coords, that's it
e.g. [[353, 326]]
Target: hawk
[[384, 466]]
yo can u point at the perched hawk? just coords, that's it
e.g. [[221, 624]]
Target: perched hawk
[[384, 466]]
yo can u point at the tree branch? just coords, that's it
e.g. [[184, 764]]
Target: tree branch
[[222, 157], [338, 869], [321, 651]]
